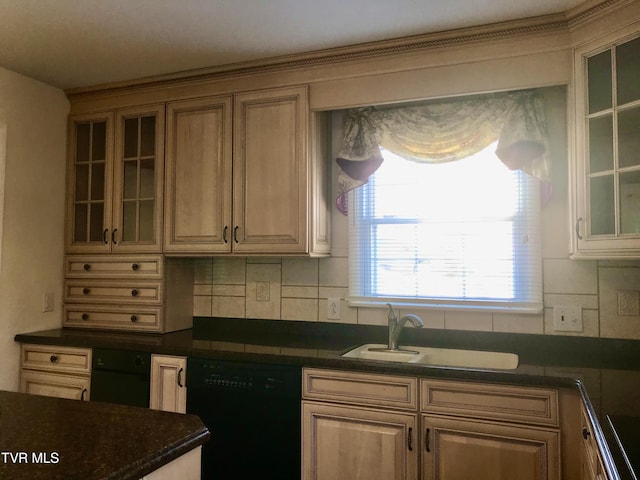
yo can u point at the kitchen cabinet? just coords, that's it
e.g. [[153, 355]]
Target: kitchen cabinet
[[56, 371], [168, 383], [606, 207], [244, 175], [484, 431], [142, 293], [591, 459], [115, 179], [358, 426], [363, 425]]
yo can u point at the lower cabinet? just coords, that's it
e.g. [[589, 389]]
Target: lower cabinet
[[592, 465], [348, 443], [370, 426], [461, 449], [168, 383], [54, 371]]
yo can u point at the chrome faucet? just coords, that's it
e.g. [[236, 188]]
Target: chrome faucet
[[395, 326]]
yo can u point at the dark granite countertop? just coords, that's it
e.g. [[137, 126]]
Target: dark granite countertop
[[55, 438], [605, 371]]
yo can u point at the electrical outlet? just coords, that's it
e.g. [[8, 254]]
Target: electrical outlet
[[333, 308], [567, 318], [47, 302]]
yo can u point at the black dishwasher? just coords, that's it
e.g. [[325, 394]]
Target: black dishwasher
[[253, 414], [121, 376]]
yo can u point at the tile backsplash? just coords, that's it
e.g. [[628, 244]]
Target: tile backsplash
[[298, 289]]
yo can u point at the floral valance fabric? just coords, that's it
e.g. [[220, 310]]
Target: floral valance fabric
[[444, 132]]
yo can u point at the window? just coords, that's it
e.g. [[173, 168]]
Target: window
[[463, 234]]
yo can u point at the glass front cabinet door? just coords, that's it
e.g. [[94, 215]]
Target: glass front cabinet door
[[115, 178], [607, 166]]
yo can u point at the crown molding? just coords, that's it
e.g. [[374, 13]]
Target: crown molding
[[491, 32]]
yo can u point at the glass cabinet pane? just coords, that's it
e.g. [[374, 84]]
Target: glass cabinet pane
[[629, 137], [89, 181], [130, 138], [630, 202], [148, 136], [601, 144], [139, 179], [628, 71], [599, 81], [602, 205]]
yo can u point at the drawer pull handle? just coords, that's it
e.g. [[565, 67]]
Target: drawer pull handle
[[85, 316], [86, 291], [53, 358], [86, 267], [426, 440], [134, 293], [410, 439], [585, 433], [134, 266], [134, 318], [180, 377], [84, 391]]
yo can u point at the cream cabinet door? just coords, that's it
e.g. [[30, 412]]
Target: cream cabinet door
[[461, 449], [198, 176], [270, 176], [55, 385], [168, 388], [351, 443], [138, 180]]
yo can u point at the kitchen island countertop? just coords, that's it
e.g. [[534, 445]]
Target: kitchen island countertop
[[54, 438]]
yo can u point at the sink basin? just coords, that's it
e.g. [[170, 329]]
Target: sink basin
[[443, 357]]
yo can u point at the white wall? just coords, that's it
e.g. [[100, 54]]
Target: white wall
[[32, 231]]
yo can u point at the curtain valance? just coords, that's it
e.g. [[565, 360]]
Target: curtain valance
[[444, 132]]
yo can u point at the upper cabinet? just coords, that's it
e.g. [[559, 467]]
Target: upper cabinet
[[115, 181], [607, 163], [244, 176]]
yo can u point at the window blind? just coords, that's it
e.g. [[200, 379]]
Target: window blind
[[463, 234]]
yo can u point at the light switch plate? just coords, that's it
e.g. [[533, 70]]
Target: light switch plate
[[333, 308], [567, 318]]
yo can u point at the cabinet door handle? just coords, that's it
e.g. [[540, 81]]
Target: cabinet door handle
[[114, 236], [578, 228], [235, 234], [410, 439], [427, 446], [180, 377], [104, 236], [84, 391], [224, 233]]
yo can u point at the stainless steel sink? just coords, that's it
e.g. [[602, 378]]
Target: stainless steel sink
[[444, 357]]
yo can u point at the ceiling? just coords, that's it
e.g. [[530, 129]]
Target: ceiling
[[79, 43]]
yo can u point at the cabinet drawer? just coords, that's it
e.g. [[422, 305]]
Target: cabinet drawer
[[56, 359], [133, 292], [356, 388], [55, 385], [113, 318], [114, 266], [498, 402]]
